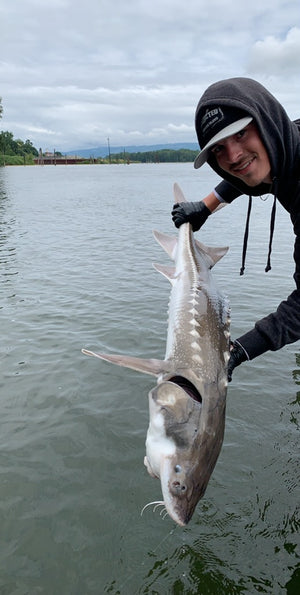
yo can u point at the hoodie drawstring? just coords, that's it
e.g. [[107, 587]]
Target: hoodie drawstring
[[272, 225], [246, 234]]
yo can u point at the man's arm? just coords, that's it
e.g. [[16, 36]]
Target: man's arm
[[212, 202]]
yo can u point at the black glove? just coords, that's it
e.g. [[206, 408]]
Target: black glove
[[194, 213], [237, 356]]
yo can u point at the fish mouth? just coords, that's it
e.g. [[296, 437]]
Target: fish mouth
[[187, 386]]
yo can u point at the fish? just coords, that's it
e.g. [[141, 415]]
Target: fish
[[187, 405]]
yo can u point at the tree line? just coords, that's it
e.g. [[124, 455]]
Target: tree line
[[160, 156], [11, 146], [15, 151]]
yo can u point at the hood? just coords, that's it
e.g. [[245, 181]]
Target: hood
[[279, 134]]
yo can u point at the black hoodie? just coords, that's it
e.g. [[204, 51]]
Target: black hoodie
[[282, 142]]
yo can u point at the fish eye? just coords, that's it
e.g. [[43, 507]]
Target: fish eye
[[177, 468]]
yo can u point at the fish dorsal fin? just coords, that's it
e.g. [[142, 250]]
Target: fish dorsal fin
[[214, 253], [168, 243], [178, 194], [168, 272]]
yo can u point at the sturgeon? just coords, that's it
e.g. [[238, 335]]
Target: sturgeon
[[187, 406]]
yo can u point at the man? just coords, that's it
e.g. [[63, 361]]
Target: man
[[246, 137]]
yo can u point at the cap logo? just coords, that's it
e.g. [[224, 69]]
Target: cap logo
[[210, 119]]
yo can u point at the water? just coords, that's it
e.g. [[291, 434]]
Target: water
[[75, 253]]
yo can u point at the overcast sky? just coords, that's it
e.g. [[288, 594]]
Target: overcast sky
[[75, 73]]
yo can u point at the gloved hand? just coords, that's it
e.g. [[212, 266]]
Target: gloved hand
[[194, 213], [237, 356]]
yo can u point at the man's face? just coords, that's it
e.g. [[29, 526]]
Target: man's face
[[244, 156]]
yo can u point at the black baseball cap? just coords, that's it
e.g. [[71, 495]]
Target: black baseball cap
[[215, 124]]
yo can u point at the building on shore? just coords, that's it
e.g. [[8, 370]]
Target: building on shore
[[54, 158]]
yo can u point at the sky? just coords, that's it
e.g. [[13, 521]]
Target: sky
[[74, 74]]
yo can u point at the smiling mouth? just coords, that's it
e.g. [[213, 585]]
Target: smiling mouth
[[242, 168]]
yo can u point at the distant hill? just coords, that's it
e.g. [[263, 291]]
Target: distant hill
[[103, 151]]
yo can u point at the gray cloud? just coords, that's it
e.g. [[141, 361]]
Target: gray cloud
[[73, 74], [277, 56]]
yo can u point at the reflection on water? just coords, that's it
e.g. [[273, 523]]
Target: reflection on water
[[7, 246], [76, 249]]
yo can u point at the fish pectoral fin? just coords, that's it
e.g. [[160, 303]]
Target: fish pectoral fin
[[168, 243], [168, 272], [147, 366], [214, 254]]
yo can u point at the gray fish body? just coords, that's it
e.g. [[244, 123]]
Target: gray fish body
[[187, 407]]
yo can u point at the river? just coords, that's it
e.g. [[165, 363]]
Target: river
[[76, 249]]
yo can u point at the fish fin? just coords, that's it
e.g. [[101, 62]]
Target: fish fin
[[214, 253], [168, 243], [147, 366], [168, 272], [178, 194]]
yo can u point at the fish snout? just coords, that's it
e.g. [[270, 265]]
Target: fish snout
[[178, 486]]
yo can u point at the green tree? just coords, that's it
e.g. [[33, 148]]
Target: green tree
[[160, 156], [15, 151], [1, 108], [7, 143]]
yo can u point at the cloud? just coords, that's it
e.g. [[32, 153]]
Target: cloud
[[72, 74], [275, 56]]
